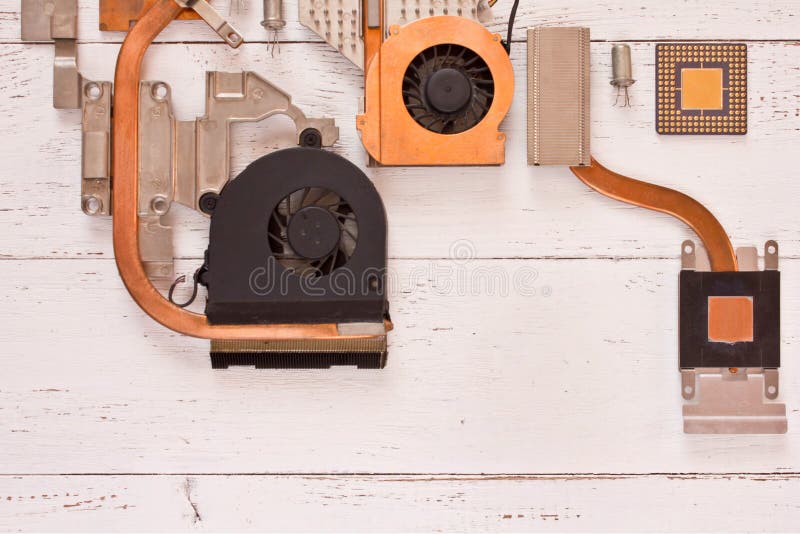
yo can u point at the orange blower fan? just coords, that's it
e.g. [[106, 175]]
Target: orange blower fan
[[436, 92], [436, 86]]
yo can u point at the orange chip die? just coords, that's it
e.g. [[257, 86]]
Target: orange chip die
[[702, 89], [730, 319]]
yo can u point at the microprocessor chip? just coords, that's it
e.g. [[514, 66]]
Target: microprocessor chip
[[701, 89]]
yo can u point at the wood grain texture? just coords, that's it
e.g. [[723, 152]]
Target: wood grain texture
[[550, 403], [571, 368], [545, 212], [609, 20], [672, 503]]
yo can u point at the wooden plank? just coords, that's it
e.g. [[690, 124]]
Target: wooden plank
[[577, 376], [509, 211], [674, 503], [495, 366], [609, 20]]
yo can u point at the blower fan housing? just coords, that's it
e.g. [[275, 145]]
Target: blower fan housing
[[436, 92], [298, 237]]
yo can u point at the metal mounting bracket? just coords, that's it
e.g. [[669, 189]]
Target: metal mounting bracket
[[96, 150], [340, 22], [57, 21], [182, 161], [223, 28], [731, 400]]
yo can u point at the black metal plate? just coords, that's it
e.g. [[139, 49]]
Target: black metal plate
[[695, 348], [298, 360]]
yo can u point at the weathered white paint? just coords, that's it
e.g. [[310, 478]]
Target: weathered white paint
[[574, 386], [578, 373], [543, 212], [658, 503], [609, 20]]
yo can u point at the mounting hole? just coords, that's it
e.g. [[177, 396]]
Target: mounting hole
[[93, 91], [771, 249], [688, 249], [688, 390], [92, 205], [159, 205], [772, 390], [233, 37], [208, 203], [374, 282], [310, 137], [160, 91]]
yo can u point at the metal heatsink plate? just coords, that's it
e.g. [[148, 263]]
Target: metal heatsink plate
[[558, 96]]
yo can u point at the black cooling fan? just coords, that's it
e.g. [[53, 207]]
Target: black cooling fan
[[448, 88], [313, 231], [298, 237]]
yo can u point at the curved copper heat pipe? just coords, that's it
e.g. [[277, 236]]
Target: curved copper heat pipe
[[125, 202], [654, 197]]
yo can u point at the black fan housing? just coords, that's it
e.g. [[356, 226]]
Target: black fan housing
[[298, 237], [448, 88]]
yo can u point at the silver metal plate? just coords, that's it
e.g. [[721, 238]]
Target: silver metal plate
[[728, 403], [179, 161], [558, 96], [211, 16], [96, 150], [731, 401], [57, 21], [338, 22]]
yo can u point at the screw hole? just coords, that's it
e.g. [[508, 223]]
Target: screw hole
[[93, 91], [160, 91], [374, 283], [311, 137], [688, 390], [771, 249], [92, 205], [160, 205], [688, 249], [772, 390], [208, 203]]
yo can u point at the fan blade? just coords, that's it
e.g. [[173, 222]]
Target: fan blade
[[295, 200], [279, 218], [472, 60], [483, 92], [409, 94], [475, 71]]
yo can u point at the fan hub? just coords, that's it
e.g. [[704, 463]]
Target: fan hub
[[313, 232], [448, 90]]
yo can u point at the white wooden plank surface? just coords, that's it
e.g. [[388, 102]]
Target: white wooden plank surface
[[579, 377], [609, 20], [573, 388], [544, 212], [675, 503]]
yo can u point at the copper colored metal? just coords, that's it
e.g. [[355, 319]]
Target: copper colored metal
[[126, 219], [373, 36], [388, 131], [119, 15], [730, 319], [654, 197]]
